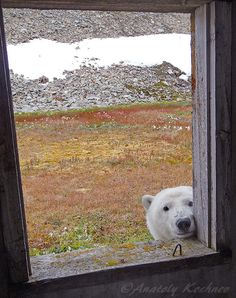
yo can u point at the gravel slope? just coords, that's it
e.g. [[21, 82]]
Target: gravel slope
[[72, 26]]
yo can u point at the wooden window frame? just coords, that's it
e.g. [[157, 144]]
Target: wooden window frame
[[11, 198], [212, 147], [212, 129]]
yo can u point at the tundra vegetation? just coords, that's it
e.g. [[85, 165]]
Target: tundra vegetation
[[84, 172]]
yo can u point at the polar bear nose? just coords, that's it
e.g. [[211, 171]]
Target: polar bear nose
[[183, 224]]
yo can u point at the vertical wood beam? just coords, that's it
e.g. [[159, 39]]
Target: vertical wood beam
[[211, 124], [201, 138], [233, 125], [220, 112], [11, 198], [4, 269]]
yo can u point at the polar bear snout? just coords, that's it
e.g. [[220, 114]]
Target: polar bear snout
[[183, 224]]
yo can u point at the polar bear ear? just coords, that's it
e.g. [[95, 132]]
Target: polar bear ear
[[147, 201]]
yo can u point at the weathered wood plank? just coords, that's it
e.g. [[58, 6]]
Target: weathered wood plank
[[12, 206], [233, 125], [211, 124], [3, 271], [220, 114], [202, 270], [82, 261], [201, 137], [121, 5]]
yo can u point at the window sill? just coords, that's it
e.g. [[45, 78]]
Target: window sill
[[91, 268], [118, 256]]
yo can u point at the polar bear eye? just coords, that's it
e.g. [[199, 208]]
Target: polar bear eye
[[165, 208], [190, 204]]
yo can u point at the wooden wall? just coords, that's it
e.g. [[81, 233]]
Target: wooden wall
[[196, 282], [3, 268], [212, 126], [121, 5], [233, 119], [12, 204], [210, 275]]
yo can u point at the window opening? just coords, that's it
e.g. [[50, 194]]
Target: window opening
[[93, 140]]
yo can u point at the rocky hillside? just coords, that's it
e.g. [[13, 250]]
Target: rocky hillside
[[89, 86], [72, 26]]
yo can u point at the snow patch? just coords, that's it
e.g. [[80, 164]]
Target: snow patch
[[50, 58]]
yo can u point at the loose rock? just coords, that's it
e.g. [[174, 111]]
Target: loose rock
[[90, 86]]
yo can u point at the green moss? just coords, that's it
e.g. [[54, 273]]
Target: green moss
[[35, 252], [160, 84], [97, 261], [127, 246], [148, 248], [112, 262]]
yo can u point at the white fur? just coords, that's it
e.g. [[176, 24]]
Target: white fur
[[162, 224]]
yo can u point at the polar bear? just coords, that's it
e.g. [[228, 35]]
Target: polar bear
[[169, 214]]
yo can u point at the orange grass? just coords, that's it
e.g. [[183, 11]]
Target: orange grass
[[84, 173]]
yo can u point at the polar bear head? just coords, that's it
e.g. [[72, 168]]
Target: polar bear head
[[169, 214]]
